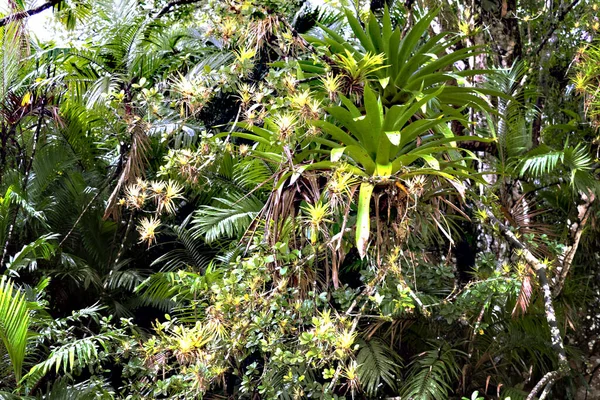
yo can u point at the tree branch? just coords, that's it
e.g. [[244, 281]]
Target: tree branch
[[546, 382], [555, 336], [554, 25], [585, 211], [170, 7], [28, 13]]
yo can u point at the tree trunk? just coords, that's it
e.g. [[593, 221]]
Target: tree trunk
[[498, 18]]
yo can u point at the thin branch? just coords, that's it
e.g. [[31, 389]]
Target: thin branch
[[127, 230], [100, 190], [170, 7], [559, 18], [28, 13]]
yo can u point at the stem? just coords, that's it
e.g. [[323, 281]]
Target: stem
[[546, 382], [122, 247], [3, 148]]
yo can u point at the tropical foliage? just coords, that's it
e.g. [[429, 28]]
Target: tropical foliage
[[283, 199]]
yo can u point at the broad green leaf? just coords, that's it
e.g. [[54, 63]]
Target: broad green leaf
[[361, 157], [363, 218], [394, 137], [337, 153]]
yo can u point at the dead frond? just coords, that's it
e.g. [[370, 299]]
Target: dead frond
[[134, 166]]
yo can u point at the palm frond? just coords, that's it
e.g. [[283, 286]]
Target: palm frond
[[168, 289], [75, 354], [159, 290], [86, 390], [41, 248], [125, 278], [240, 176], [16, 197], [191, 253], [51, 162], [377, 364], [432, 374], [212, 62], [14, 324], [228, 217], [78, 119], [10, 56], [310, 18], [11, 396], [571, 164]]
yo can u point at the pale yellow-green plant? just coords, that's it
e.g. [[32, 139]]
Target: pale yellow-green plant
[[147, 229], [166, 200], [316, 216]]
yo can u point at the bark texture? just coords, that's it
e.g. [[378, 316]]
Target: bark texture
[[498, 19]]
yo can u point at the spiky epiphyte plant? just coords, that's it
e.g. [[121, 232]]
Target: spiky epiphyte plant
[[355, 71], [316, 216], [147, 229]]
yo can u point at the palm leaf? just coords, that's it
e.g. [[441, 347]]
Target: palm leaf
[[41, 248], [228, 217], [432, 374], [191, 252], [378, 364], [86, 390], [14, 324], [75, 354]]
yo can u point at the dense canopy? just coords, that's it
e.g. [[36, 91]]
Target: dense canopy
[[271, 199]]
